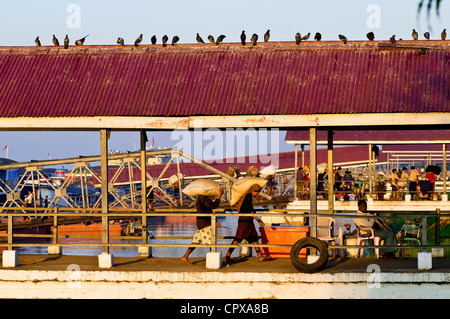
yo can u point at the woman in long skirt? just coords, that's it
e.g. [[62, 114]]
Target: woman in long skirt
[[246, 228]]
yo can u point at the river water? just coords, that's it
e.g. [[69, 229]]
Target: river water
[[172, 226]]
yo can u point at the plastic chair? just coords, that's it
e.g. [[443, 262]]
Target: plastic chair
[[364, 234], [412, 234], [325, 231]]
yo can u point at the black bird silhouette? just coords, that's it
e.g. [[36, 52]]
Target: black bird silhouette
[[138, 40], [66, 42], [343, 38], [443, 34], [37, 41], [370, 36], [120, 41], [220, 39], [243, 37], [55, 41], [427, 35], [153, 39], [267, 36], [420, 51], [392, 39], [199, 38], [254, 38], [414, 34], [298, 38], [175, 39], [165, 38], [318, 36], [306, 37], [81, 41], [211, 38]]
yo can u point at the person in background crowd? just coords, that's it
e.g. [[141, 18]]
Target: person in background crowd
[[402, 182], [413, 181], [394, 180], [338, 180]]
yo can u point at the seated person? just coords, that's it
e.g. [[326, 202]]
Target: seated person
[[380, 229]]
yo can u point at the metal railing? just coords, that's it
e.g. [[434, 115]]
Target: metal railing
[[53, 214]]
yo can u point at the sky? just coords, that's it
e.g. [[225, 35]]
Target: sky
[[105, 21]]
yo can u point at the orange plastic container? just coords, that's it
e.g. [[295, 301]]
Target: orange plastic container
[[281, 235]]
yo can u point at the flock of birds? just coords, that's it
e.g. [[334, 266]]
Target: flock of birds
[[254, 39]]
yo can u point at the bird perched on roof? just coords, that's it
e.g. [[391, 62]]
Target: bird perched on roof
[[153, 39], [37, 41], [254, 38], [120, 41], [427, 35], [370, 36], [175, 39], [220, 39], [298, 38], [443, 34], [306, 37], [165, 38], [243, 37], [211, 38], [66, 42], [318, 36], [199, 39], [138, 40], [420, 51], [81, 41], [343, 38], [267, 36], [55, 41], [392, 39], [414, 34]]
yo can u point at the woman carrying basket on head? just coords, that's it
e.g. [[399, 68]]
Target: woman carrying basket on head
[[246, 228]]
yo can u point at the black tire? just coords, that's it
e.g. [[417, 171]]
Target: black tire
[[301, 263]]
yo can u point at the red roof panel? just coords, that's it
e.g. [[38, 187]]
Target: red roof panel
[[183, 80]]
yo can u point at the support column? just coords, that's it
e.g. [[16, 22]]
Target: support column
[[330, 172], [105, 259], [295, 173], [369, 173], [313, 180], [144, 251], [444, 171]]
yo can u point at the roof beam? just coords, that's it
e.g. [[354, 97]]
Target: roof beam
[[131, 123]]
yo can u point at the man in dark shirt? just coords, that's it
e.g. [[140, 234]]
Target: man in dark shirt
[[203, 234]]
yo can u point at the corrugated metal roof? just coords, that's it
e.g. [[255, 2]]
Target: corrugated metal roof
[[187, 80]]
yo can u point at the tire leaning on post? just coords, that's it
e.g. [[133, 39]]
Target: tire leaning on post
[[307, 242]]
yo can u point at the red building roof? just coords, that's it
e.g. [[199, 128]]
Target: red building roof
[[229, 79]]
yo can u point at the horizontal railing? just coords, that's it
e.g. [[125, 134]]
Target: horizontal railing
[[118, 213]]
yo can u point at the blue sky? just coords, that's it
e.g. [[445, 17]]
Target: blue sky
[[104, 21]]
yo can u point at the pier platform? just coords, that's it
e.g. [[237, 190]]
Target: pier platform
[[45, 276]]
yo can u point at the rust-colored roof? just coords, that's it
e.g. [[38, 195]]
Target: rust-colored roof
[[229, 79]]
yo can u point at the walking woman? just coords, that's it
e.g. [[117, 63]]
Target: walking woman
[[246, 228], [203, 234]]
